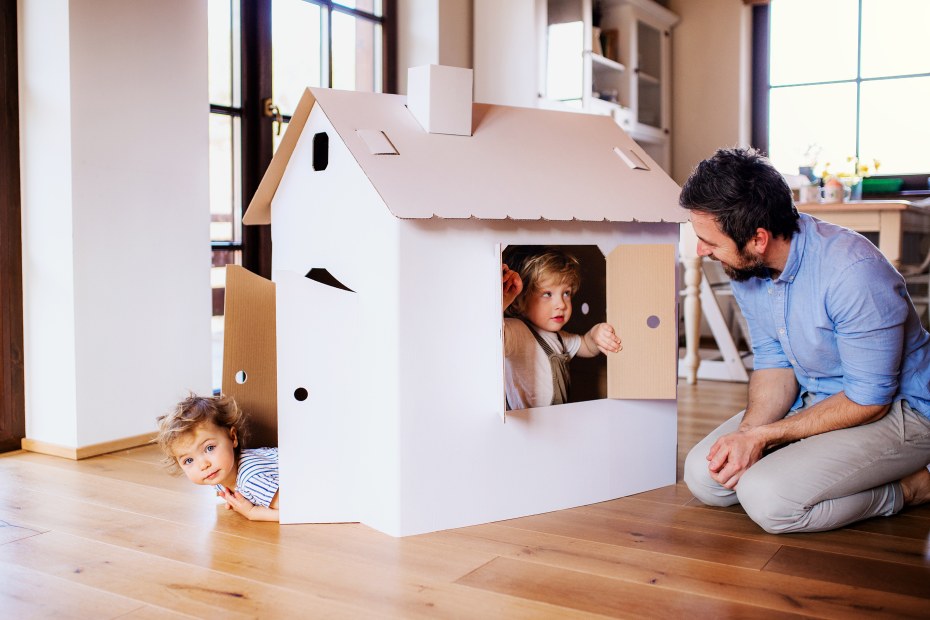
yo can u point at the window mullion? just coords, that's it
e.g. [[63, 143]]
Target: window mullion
[[859, 83], [327, 36]]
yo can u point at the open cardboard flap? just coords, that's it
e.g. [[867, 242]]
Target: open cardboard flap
[[249, 359], [641, 306]]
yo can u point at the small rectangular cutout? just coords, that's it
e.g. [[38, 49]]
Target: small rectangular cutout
[[376, 141], [631, 159]]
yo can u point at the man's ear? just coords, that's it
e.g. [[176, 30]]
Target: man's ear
[[760, 241]]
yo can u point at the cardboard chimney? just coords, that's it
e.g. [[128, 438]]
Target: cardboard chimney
[[440, 98], [376, 354]]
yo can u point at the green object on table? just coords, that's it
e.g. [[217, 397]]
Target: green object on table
[[881, 186]]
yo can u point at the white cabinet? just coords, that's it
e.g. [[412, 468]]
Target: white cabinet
[[612, 57]]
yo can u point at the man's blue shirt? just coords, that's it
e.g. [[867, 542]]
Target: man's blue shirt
[[840, 316]]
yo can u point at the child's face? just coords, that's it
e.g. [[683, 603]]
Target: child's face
[[549, 305], [207, 456]]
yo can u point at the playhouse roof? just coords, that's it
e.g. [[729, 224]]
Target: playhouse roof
[[520, 163]]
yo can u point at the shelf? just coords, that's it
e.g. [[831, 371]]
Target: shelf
[[603, 61]]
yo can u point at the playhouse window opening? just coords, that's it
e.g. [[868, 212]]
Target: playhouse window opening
[[320, 151], [528, 372]]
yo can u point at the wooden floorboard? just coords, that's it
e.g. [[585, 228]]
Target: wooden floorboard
[[116, 536]]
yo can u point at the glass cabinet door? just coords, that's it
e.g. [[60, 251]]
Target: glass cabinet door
[[564, 51], [649, 74]]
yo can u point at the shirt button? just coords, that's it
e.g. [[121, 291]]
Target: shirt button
[[770, 291], [781, 330], [792, 362]]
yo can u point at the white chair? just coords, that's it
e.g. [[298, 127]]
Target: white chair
[[700, 299]]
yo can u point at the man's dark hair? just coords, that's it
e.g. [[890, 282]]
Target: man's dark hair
[[744, 192]]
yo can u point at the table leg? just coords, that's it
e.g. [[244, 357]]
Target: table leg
[[692, 310]]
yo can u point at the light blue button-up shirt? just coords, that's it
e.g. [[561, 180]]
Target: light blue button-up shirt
[[840, 316]]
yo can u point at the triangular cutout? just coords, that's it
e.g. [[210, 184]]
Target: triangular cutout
[[318, 274]]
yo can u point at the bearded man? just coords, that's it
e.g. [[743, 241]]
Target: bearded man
[[837, 424]]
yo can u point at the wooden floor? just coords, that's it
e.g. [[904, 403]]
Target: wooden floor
[[116, 537]]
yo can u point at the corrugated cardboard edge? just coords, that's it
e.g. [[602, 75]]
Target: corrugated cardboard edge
[[641, 285], [259, 211], [249, 345]]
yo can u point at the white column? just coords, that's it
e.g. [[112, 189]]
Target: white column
[[114, 146]]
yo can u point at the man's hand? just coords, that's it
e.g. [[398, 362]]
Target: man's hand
[[731, 455], [512, 285]]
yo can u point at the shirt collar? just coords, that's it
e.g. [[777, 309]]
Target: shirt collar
[[796, 251]]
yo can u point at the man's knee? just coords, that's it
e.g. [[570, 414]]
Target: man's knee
[[767, 504], [701, 485]]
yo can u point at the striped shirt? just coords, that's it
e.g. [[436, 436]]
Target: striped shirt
[[257, 479]]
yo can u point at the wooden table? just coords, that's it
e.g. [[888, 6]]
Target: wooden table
[[895, 221]]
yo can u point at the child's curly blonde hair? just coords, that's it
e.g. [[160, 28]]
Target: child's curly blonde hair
[[538, 263], [192, 412]]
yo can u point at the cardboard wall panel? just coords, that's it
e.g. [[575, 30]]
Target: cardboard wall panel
[[641, 305], [318, 401]]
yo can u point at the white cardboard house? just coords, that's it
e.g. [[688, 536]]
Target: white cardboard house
[[387, 392]]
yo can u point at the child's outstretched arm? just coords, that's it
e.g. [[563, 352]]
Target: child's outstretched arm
[[236, 501], [512, 285], [600, 339]]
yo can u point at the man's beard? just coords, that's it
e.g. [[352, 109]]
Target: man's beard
[[753, 267]]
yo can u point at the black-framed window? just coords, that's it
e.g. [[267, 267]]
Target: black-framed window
[[263, 53], [842, 79], [12, 344]]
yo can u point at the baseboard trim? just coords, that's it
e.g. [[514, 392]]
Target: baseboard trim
[[76, 454]]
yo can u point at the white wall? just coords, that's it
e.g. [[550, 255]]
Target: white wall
[[437, 32], [114, 126], [507, 51], [711, 53]]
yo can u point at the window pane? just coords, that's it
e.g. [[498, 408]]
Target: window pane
[[369, 6], [894, 36], [813, 41], [356, 53], [802, 117], [221, 258], [220, 58], [224, 178], [296, 52], [564, 68], [895, 129]]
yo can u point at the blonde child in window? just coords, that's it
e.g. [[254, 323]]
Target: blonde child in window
[[537, 299], [203, 437]]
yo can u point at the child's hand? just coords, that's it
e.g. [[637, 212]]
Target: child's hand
[[512, 285], [603, 338], [236, 501]]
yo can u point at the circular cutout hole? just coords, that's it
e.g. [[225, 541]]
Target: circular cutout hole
[[653, 321], [241, 377], [301, 394], [585, 308]]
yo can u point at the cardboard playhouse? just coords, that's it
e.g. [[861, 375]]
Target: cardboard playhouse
[[375, 357]]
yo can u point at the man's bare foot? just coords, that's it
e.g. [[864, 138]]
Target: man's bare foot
[[916, 487]]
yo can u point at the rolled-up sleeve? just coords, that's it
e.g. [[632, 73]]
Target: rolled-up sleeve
[[869, 327]]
